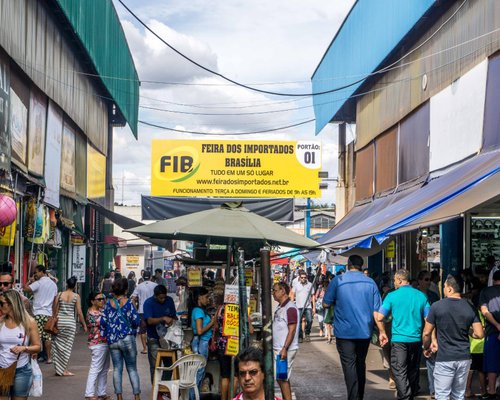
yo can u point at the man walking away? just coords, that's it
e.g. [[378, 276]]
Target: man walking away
[[408, 307], [44, 292], [452, 318], [285, 335], [356, 299], [489, 300], [142, 292], [305, 302]]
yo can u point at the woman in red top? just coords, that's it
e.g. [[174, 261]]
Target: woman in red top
[[99, 364]]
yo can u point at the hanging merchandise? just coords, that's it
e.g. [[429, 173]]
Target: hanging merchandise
[[8, 210], [37, 222]]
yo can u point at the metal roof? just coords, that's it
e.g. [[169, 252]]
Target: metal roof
[[98, 27], [368, 35]]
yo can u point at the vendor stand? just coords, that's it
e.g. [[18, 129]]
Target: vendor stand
[[235, 226]]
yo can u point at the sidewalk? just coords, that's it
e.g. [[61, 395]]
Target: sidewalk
[[73, 387]]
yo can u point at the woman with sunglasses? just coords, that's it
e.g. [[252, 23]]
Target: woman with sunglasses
[[19, 339], [99, 349]]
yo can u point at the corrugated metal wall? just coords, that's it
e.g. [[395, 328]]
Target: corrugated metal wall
[[92, 21], [401, 89], [370, 32], [32, 39]]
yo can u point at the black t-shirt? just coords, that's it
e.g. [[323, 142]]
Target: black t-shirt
[[452, 318], [490, 297]]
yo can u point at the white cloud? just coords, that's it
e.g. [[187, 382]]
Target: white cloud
[[252, 42]]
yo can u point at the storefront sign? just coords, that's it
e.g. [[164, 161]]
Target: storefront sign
[[249, 277], [232, 346], [194, 277], [78, 263], [96, 174], [68, 159], [231, 294], [390, 250], [18, 127], [4, 112], [132, 261], [53, 154], [202, 168], [231, 324], [36, 132]]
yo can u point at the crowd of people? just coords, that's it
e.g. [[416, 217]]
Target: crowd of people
[[455, 329]]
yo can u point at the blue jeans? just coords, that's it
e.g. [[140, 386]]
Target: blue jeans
[[450, 379], [199, 346], [430, 363], [308, 315], [22, 381], [125, 350]]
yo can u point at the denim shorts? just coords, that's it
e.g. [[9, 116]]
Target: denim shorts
[[22, 381]]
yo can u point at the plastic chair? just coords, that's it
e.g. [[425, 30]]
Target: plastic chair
[[188, 366]]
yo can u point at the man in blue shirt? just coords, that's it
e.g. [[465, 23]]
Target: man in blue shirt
[[356, 299], [408, 307], [158, 310]]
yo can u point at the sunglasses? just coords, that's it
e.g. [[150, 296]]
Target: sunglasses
[[426, 279], [2, 303], [99, 299], [252, 373], [5, 284]]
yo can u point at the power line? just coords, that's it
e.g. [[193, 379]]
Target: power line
[[227, 134], [211, 71]]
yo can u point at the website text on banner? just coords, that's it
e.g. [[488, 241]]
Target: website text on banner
[[235, 168]]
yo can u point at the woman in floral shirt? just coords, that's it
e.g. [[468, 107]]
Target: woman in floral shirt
[[99, 364], [119, 323]]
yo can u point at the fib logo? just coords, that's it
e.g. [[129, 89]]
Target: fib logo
[[177, 165]]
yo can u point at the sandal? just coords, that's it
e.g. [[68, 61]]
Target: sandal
[[105, 397]]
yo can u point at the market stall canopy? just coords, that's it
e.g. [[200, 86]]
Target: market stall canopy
[[473, 182], [229, 221], [155, 208]]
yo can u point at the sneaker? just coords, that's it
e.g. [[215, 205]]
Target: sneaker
[[308, 338], [300, 340]]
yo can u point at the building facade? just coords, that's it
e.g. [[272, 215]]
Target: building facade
[[66, 79], [420, 80]]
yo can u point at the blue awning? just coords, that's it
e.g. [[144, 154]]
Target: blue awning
[[471, 183]]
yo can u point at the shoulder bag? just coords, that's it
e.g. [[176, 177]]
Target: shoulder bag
[[7, 375], [212, 344], [51, 324]]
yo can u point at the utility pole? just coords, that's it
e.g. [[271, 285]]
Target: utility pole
[[123, 185]]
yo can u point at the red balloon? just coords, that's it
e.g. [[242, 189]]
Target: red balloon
[[8, 210]]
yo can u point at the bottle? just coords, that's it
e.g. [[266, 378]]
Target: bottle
[[281, 368]]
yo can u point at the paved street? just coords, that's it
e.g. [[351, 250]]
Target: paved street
[[317, 372]]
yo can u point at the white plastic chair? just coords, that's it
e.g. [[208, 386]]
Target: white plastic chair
[[188, 366]]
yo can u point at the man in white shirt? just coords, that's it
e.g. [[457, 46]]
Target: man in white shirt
[[304, 298], [44, 292], [142, 292]]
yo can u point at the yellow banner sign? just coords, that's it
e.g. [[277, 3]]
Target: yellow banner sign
[[96, 174], [194, 277], [235, 168], [231, 325], [232, 346]]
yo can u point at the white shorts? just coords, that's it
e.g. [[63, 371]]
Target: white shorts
[[290, 358]]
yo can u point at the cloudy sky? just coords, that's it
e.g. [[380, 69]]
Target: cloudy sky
[[273, 45]]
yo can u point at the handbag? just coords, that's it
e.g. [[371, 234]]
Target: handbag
[[7, 375], [212, 343], [51, 325]]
